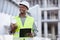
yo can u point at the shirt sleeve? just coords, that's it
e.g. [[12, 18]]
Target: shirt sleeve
[[35, 29], [13, 21]]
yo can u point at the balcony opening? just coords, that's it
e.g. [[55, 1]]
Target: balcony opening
[[52, 3], [52, 30], [52, 14]]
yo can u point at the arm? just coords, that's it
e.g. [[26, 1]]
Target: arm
[[13, 26], [35, 30]]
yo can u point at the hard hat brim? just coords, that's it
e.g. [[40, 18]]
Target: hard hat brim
[[24, 5]]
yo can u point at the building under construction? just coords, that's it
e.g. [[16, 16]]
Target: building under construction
[[47, 19]]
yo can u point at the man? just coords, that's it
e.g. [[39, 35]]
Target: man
[[23, 22]]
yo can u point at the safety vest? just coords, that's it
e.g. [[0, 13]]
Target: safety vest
[[27, 24]]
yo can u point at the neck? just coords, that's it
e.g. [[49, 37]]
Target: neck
[[22, 15]]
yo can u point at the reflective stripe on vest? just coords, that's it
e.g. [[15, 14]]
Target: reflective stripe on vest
[[27, 24]]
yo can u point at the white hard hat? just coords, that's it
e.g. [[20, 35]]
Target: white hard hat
[[25, 3]]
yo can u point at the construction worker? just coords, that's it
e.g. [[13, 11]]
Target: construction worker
[[23, 21]]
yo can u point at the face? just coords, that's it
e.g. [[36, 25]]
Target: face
[[22, 9]]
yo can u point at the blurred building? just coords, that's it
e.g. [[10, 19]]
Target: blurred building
[[50, 15], [8, 6]]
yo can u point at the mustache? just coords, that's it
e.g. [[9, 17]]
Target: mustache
[[23, 11]]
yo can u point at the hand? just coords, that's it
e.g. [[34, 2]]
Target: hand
[[29, 34], [13, 28]]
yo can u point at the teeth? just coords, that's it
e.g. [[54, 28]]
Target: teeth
[[21, 11]]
